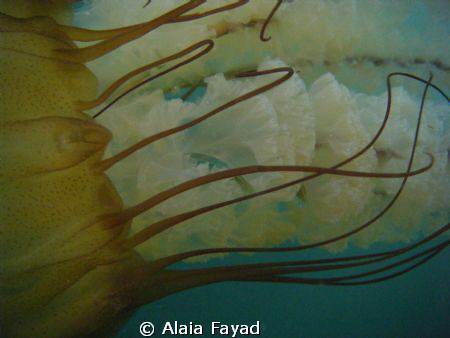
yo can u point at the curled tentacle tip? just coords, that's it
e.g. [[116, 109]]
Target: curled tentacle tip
[[267, 21]]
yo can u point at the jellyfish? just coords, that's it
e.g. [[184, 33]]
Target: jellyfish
[[368, 136]]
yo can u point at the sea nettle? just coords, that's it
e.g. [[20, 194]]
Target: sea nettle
[[312, 133]]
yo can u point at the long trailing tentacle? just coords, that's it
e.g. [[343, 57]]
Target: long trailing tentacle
[[277, 272], [210, 44], [167, 223], [195, 16], [109, 91], [347, 279], [151, 202], [288, 271], [80, 34], [83, 55], [267, 271], [282, 271], [88, 35], [174, 16], [105, 164], [238, 3], [316, 265]]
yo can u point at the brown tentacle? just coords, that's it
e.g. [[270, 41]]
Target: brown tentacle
[[431, 253], [82, 34], [138, 209], [169, 222], [83, 55], [105, 164], [210, 44], [88, 35], [342, 280], [321, 262], [279, 272], [83, 105], [195, 16]]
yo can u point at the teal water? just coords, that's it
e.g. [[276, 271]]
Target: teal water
[[416, 304]]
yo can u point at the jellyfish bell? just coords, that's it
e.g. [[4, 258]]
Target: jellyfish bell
[[61, 10], [265, 124]]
